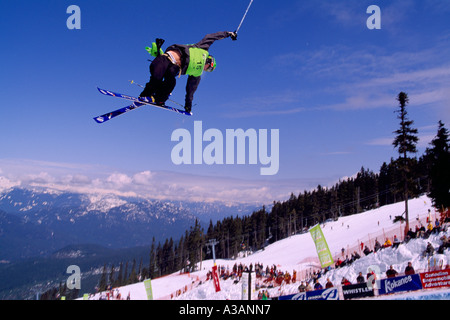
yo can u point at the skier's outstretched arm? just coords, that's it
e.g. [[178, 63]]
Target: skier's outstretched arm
[[209, 39]]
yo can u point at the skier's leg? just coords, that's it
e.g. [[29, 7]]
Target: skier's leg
[[168, 84], [158, 69]]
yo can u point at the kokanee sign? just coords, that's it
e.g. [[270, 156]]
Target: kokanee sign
[[435, 279], [400, 284]]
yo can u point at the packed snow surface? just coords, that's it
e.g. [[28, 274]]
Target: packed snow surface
[[298, 253]]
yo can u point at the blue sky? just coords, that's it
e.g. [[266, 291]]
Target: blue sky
[[311, 69]]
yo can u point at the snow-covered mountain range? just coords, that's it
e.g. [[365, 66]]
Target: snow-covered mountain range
[[38, 221]]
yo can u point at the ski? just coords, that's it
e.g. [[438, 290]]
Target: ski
[[139, 102], [118, 112]]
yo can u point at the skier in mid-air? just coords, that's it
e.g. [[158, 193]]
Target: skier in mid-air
[[179, 60]]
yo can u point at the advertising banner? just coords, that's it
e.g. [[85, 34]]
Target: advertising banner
[[215, 275], [435, 279], [325, 294], [399, 284], [148, 289], [248, 285], [321, 246], [359, 290]]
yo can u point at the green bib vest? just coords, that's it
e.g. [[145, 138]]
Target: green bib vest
[[197, 61]]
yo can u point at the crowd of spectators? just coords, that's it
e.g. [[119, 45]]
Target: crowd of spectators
[[271, 276]]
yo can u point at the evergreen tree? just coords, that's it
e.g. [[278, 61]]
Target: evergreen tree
[[159, 261], [133, 276], [140, 273], [168, 257], [73, 294], [119, 281], [440, 168], [103, 280], [111, 276], [125, 275], [152, 260], [181, 256], [405, 141], [387, 186], [184, 251], [261, 227], [195, 244]]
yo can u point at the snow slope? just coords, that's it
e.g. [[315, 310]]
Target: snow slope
[[298, 253]]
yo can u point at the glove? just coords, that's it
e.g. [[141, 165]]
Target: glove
[[233, 35], [154, 50]]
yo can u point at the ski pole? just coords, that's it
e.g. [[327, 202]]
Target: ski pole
[[245, 14], [132, 82]]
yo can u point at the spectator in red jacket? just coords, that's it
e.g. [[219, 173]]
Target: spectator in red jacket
[[345, 282], [409, 269]]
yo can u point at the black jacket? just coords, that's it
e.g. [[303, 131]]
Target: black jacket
[[183, 49]]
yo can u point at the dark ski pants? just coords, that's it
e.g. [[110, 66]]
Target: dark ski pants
[[163, 75]]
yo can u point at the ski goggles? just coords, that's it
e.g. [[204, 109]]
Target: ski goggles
[[212, 64]]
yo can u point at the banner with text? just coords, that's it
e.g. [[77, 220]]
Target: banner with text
[[400, 284], [435, 279], [248, 285], [321, 246], [325, 294], [148, 289], [359, 290]]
